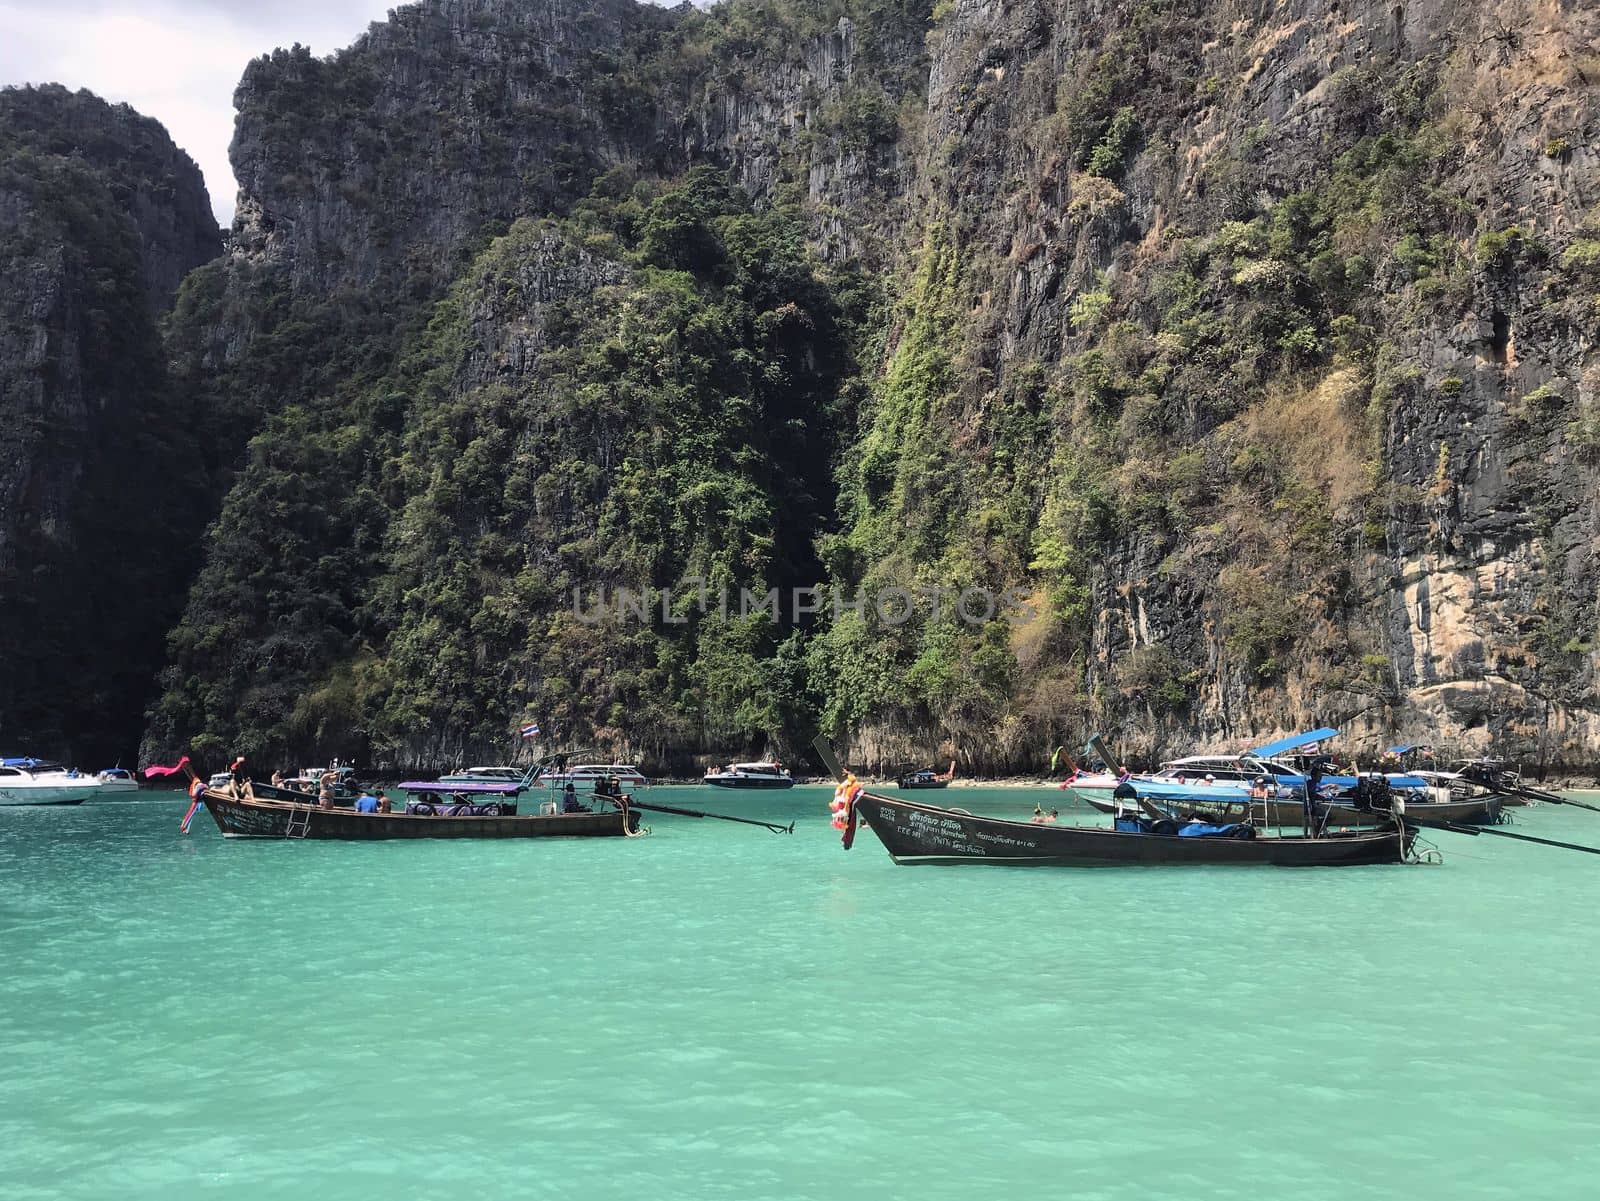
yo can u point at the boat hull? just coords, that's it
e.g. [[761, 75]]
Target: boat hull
[[748, 782], [73, 793], [1478, 811], [919, 833], [237, 818]]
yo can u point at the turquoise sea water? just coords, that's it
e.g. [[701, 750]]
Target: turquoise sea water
[[719, 1012]]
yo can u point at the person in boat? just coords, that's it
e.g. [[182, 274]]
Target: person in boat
[[569, 799], [325, 789], [241, 779], [1314, 809], [277, 779], [1258, 788], [383, 803], [366, 803]]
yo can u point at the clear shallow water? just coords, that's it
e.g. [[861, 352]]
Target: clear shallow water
[[718, 1012]]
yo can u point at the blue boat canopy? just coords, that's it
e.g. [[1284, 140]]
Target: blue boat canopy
[[1408, 748], [1293, 743]]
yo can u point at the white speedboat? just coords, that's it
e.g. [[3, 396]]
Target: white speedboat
[[117, 779], [626, 773], [765, 774], [484, 775], [36, 782]]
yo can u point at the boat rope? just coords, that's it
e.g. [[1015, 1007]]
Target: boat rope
[[1424, 853], [627, 831]]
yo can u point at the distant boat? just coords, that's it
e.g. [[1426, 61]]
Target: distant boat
[[117, 779], [28, 781], [344, 786], [625, 773], [478, 775], [766, 774], [927, 777]]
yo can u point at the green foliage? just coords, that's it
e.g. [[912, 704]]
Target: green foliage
[[1088, 309], [671, 428], [1583, 257], [1497, 249], [1154, 674], [1109, 158], [1259, 621], [1583, 433]]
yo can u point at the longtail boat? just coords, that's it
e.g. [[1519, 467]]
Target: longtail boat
[[1288, 811], [926, 777], [270, 817], [914, 832]]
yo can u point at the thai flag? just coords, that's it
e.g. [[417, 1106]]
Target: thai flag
[[531, 730]]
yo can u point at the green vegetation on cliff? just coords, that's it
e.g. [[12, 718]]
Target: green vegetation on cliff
[[640, 396], [1260, 383]]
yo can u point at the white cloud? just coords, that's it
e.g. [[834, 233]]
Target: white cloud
[[172, 60]]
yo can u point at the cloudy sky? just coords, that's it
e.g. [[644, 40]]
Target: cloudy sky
[[174, 60]]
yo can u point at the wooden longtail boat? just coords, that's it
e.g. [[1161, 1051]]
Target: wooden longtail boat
[[914, 832], [262, 817], [926, 777], [1475, 811]]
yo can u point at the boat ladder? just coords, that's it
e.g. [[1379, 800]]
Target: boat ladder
[[299, 824]]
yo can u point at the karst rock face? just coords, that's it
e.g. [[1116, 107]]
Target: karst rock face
[[1252, 344], [101, 217], [1416, 184]]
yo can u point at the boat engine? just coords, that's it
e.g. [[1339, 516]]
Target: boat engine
[[1373, 795]]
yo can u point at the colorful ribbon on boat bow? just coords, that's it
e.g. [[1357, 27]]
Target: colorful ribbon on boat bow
[[196, 787], [843, 806]]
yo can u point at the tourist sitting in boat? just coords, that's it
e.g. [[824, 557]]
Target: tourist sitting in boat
[[366, 803], [569, 798], [240, 779], [383, 803]]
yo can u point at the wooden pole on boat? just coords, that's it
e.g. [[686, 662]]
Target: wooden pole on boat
[[1552, 798], [1460, 828], [1097, 744], [830, 761], [748, 821]]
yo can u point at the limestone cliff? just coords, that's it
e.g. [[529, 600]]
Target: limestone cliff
[[100, 217], [1252, 342], [1305, 296]]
